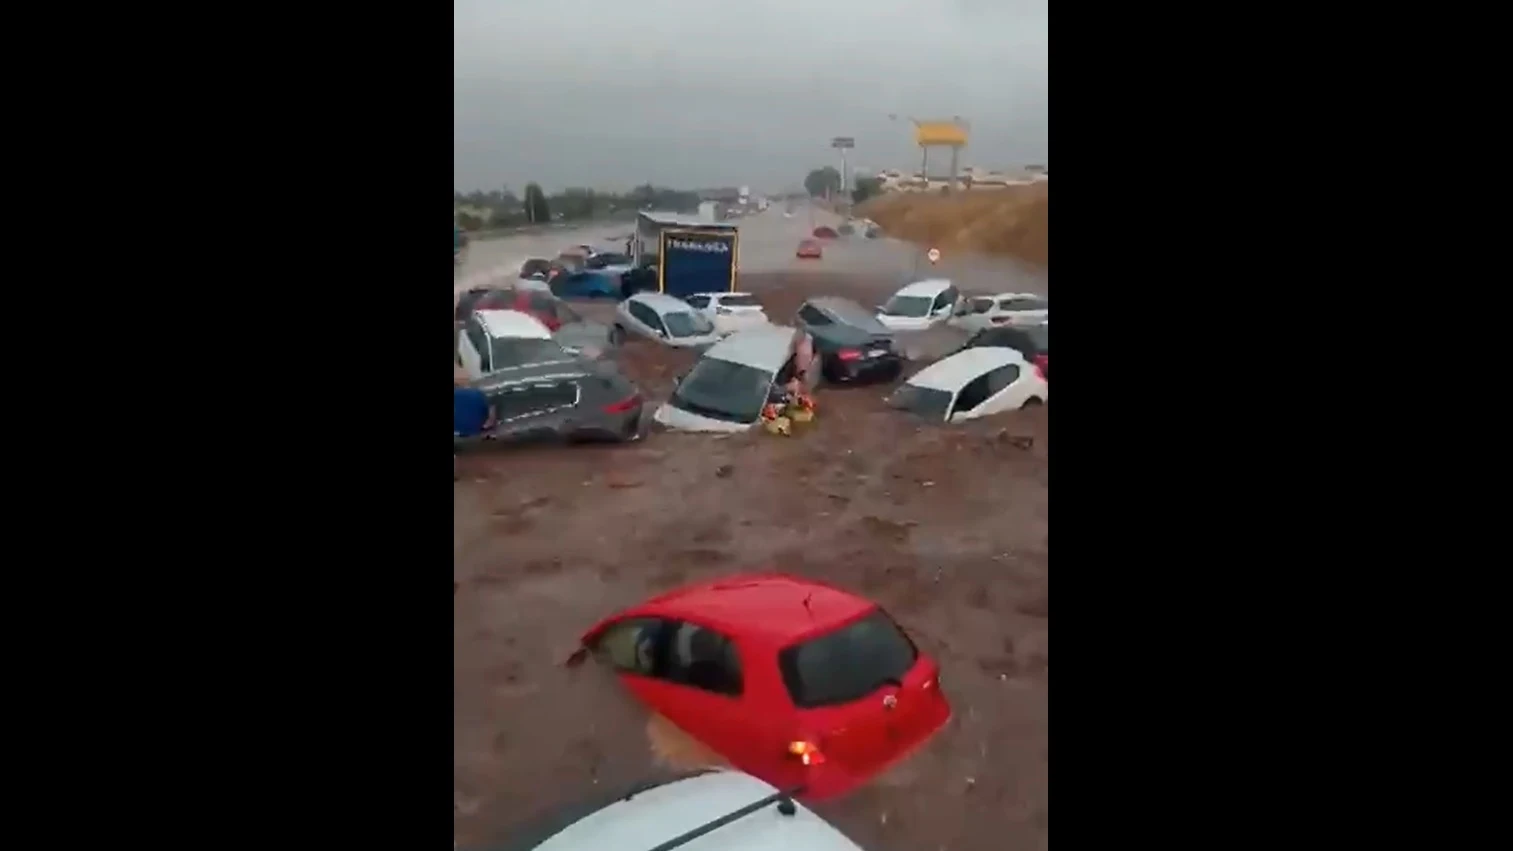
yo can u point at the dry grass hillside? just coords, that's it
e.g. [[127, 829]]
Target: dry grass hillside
[[994, 221]]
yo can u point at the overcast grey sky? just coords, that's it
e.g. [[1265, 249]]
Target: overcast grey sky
[[614, 93]]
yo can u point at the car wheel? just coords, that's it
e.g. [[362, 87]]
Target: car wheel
[[617, 336], [1032, 402]]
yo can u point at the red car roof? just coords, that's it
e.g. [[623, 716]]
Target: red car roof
[[769, 607]]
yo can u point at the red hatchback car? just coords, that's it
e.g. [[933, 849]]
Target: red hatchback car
[[798, 683]]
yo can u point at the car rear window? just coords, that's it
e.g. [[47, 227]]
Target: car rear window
[[847, 664], [740, 300]]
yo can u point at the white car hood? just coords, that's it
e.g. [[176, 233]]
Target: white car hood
[[681, 420], [907, 323]]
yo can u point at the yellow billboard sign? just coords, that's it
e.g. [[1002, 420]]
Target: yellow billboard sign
[[927, 133]]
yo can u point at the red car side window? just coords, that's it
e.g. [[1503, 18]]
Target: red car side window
[[704, 659]]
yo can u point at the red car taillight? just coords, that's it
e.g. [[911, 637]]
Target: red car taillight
[[806, 752], [1043, 366], [624, 405], [849, 354]]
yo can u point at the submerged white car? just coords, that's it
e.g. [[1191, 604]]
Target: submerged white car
[[920, 305], [660, 317], [707, 810], [979, 312], [730, 312], [728, 387], [973, 383], [492, 340]]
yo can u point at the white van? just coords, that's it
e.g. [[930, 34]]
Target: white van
[[492, 340], [920, 305]]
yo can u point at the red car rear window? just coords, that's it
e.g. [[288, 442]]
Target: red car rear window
[[847, 664]]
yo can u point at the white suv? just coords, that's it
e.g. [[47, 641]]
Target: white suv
[[730, 312], [709, 810]]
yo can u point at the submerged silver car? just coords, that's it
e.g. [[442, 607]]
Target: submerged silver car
[[728, 387]]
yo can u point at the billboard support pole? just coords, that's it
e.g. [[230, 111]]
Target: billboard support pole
[[843, 144]]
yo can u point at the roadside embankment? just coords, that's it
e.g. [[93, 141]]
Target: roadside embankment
[[992, 221]]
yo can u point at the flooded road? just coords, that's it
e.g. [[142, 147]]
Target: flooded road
[[945, 527], [768, 242]]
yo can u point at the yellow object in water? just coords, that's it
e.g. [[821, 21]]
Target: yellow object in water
[[800, 415], [780, 425]]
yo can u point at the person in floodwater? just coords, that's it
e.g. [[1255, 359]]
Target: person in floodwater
[[794, 377]]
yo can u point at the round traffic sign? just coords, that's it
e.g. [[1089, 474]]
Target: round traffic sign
[[934, 255]]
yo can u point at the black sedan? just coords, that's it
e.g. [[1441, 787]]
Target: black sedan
[[851, 345]]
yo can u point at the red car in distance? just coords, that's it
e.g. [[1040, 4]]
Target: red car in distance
[[800, 684], [810, 249]]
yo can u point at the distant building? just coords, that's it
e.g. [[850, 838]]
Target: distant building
[[970, 177]]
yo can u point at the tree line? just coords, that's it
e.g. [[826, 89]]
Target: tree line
[[825, 182], [502, 208]]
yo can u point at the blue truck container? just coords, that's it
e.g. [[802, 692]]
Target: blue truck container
[[691, 255]]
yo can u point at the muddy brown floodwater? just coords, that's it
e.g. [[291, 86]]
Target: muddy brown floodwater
[[945, 527]]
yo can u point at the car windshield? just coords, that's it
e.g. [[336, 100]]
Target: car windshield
[[520, 351], [739, 300], [847, 664], [927, 402], [722, 390], [684, 324], [907, 305]]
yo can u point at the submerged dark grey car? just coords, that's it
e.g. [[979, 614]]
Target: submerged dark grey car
[[851, 344], [574, 399]]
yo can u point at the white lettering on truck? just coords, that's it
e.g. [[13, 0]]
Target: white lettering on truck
[[706, 247]]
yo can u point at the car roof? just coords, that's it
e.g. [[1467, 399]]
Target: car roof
[[928, 287], [774, 607], [646, 820], [661, 302], [765, 348], [847, 311], [512, 323], [952, 373]]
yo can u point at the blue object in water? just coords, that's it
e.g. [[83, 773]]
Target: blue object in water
[[470, 411]]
